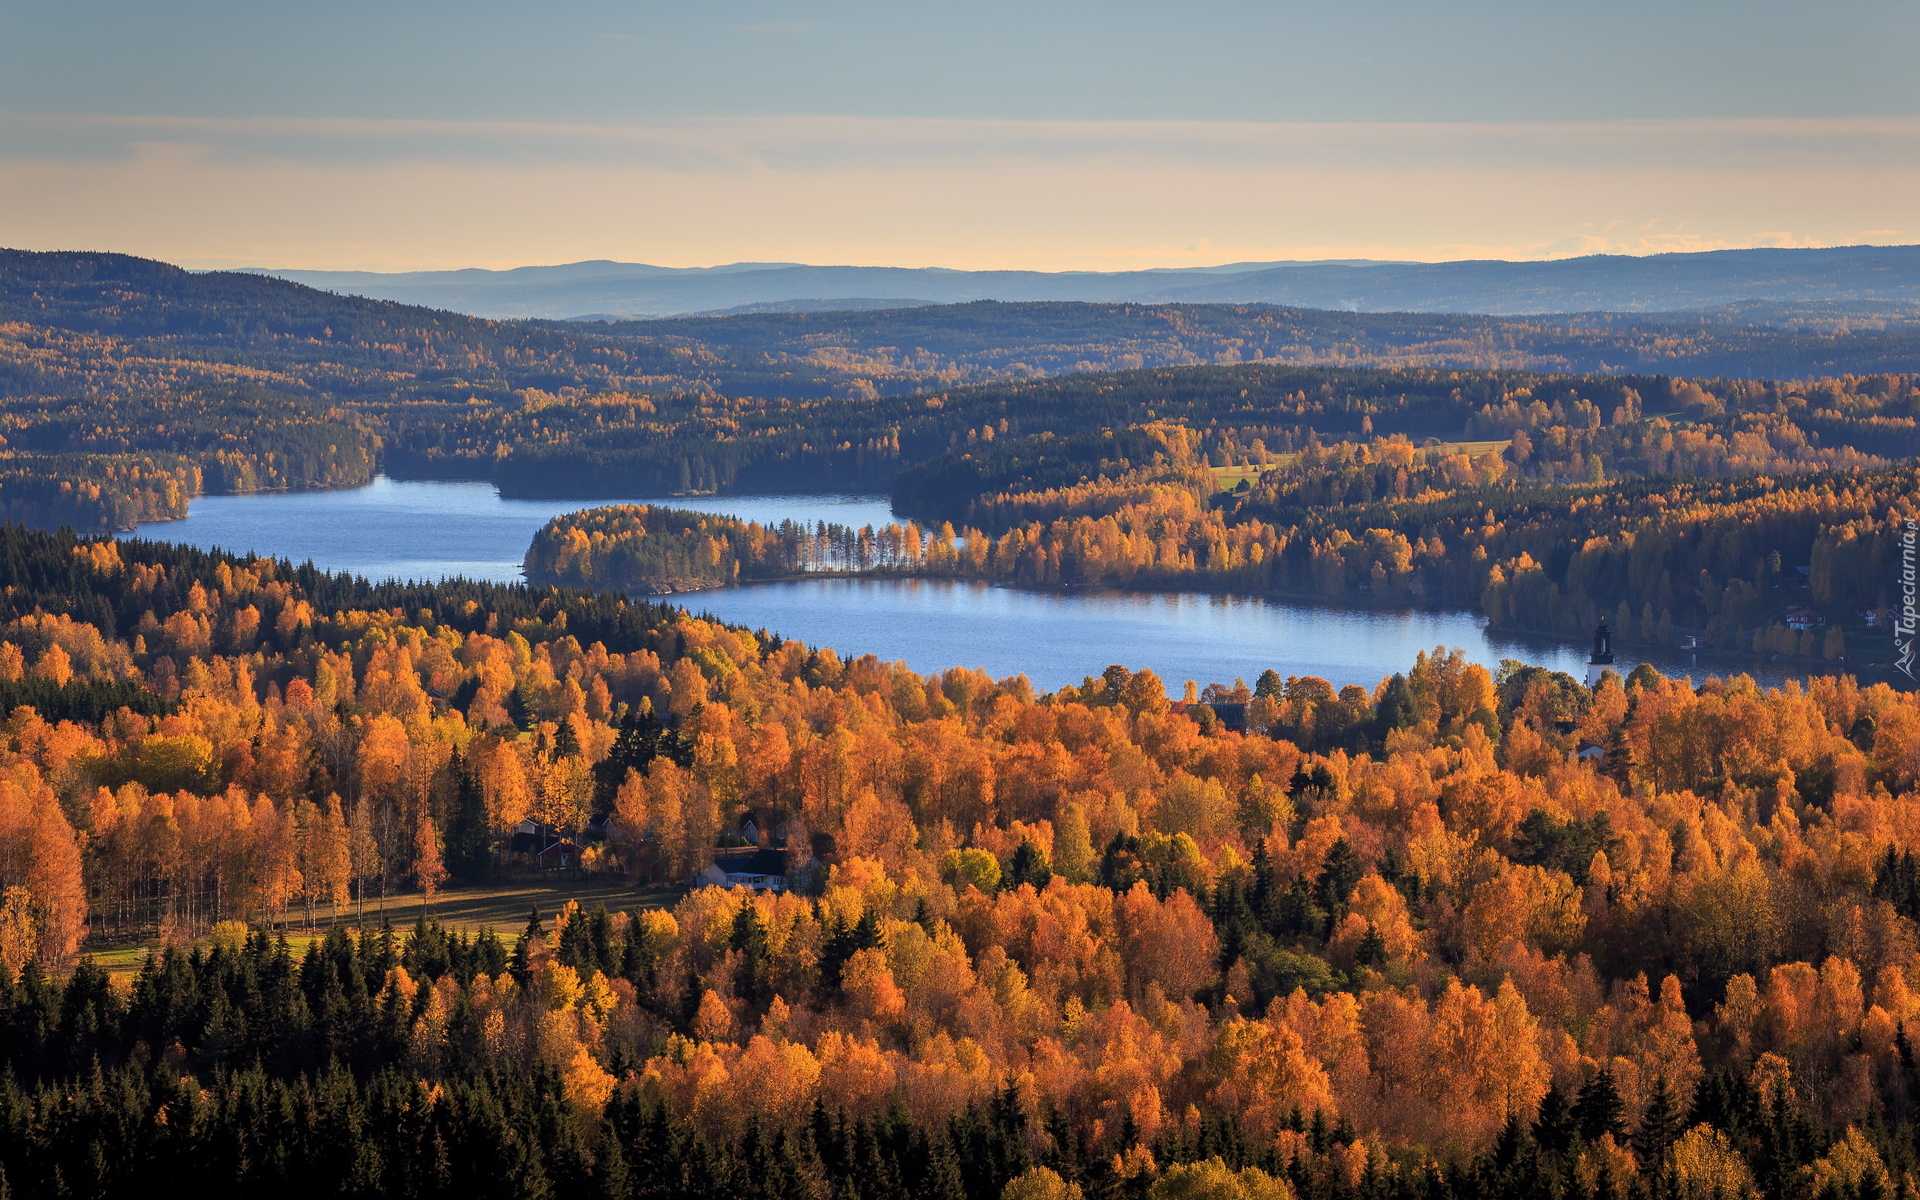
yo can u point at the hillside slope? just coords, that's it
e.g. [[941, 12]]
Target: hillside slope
[[1859, 276]]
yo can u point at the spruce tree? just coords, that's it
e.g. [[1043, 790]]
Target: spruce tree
[[1554, 1126], [1599, 1109], [1340, 873], [1618, 765], [1029, 866], [1660, 1125]]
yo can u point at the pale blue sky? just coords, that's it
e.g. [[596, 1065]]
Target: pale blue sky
[[1355, 60], [405, 134]]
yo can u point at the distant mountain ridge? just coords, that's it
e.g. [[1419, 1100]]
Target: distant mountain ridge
[[1867, 277]]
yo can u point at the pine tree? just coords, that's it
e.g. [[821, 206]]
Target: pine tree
[[1260, 896], [1396, 709], [943, 1180], [522, 960], [522, 706], [469, 845], [749, 939], [566, 743], [1372, 950], [1511, 1144]]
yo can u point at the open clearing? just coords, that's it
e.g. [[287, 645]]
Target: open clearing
[[502, 907], [1230, 477]]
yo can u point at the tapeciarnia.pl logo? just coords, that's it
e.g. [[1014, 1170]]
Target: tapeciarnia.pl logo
[[1903, 628]]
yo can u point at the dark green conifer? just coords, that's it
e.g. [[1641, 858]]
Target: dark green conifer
[[1599, 1110], [1660, 1125], [1029, 865], [1554, 1127], [1340, 873]]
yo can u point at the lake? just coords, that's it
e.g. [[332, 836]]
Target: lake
[[431, 530], [394, 529]]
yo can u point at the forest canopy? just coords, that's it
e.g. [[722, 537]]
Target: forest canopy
[[1412, 940], [261, 383]]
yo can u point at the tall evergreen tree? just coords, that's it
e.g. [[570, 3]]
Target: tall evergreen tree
[[1599, 1110]]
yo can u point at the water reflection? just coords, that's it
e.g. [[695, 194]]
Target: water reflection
[[416, 529], [1058, 638], [431, 530]]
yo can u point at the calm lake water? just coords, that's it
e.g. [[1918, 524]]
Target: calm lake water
[[431, 530]]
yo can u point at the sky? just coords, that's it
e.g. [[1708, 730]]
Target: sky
[[414, 134]]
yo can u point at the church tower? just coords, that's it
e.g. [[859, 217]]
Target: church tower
[[1602, 657]]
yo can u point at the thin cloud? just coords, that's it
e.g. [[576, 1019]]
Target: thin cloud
[[404, 194]]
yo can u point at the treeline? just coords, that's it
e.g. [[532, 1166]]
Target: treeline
[[92, 466], [990, 473], [946, 451], [580, 446], [1553, 430], [95, 492], [656, 550], [244, 438], [1722, 560], [937, 346], [82, 580]]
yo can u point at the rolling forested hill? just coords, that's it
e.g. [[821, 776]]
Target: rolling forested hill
[[935, 345], [87, 322], [127, 386], [1855, 275]]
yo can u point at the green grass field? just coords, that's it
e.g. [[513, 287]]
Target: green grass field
[[501, 907], [504, 907], [1474, 449], [1228, 478]]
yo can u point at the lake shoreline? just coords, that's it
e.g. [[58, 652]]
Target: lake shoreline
[[426, 530], [1858, 662], [1737, 662]]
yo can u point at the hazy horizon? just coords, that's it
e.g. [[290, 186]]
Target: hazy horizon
[[1223, 265], [399, 195]]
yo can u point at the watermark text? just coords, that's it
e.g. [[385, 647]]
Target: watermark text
[[1905, 623]]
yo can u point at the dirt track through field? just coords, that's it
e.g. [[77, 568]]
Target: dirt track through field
[[502, 907]]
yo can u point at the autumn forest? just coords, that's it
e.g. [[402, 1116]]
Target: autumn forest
[[866, 932]]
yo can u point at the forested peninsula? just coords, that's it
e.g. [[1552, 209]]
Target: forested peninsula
[[1726, 562]]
